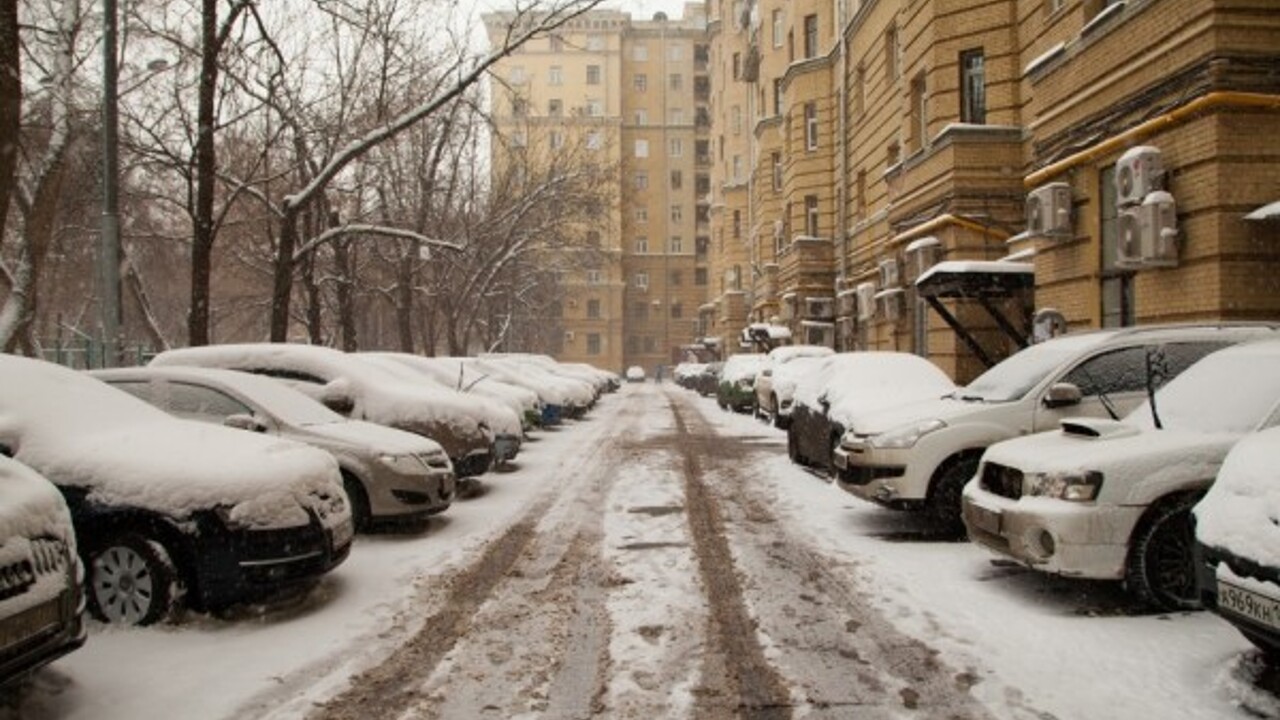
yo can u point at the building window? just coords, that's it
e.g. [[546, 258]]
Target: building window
[[595, 108], [640, 52], [642, 215], [676, 246], [675, 81], [593, 238], [676, 147], [677, 180], [777, 96], [519, 139], [811, 215], [859, 90], [642, 245], [776, 158], [700, 276], [593, 278], [642, 148], [675, 116], [555, 107], [973, 87], [677, 311], [557, 139], [919, 114], [519, 107], [650, 344], [810, 36], [1117, 285], [676, 278], [518, 76], [642, 180], [593, 343], [633, 344], [735, 114], [811, 126], [556, 43], [860, 194], [737, 168], [593, 309], [555, 75], [675, 52], [777, 29], [642, 116], [595, 42], [593, 74], [737, 223], [640, 310], [737, 66], [891, 53], [640, 82], [642, 280], [677, 213]]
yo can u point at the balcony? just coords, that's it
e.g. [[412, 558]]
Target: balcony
[[807, 266]]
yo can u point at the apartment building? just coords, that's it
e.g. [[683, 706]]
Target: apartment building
[[634, 94], [934, 176]]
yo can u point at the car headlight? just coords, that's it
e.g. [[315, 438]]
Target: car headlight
[[403, 464], [905, 436], [1075, 486]]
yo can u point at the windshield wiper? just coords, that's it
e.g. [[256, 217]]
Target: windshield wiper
[[1157, 373], [1109, 406]]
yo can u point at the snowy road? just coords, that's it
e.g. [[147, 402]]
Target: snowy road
[[662, 559]]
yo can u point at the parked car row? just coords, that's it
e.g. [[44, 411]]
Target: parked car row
[[1092, 455], [221, 475]]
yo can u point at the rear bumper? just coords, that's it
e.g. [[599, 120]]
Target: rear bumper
[[505, 447]]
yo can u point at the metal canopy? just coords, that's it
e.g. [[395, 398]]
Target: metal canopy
[[983, 283]]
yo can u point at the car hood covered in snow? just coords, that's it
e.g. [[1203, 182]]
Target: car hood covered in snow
[[30, 506], [78, 432], [1241, 513]]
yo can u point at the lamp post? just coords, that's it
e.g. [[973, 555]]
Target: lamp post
[[109, 242]]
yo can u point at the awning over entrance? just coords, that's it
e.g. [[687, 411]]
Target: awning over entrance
[[983, 282], [765, 336]]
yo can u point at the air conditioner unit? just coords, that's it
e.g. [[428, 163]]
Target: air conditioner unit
[[847, 303], [787, 306], [1139, 172], [1148, 234], [866, 293], [923, 254], [889, 273], [819, 308], [890, 302], [1049, 211], [568, 336]]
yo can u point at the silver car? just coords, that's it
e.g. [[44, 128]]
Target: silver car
[[389, 475]]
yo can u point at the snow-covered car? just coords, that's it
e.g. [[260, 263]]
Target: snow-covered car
[[775, 383], [459, 375], [508, 434], [572, 396], [635, 373], [686, 374], [168, 510], [1238, 540], [389, 475], [708, 381], [552, 398], [735, 389], [41, 604], [828, 399], [919, 456], [359, 390], [1111, 499]]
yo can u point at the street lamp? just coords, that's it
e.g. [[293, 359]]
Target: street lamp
[[109, 241]]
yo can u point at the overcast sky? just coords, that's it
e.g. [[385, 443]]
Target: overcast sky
[[644, 9]]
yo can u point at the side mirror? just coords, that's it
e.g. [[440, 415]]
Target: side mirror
[[241, 421], [1062, 395], [336, 396]]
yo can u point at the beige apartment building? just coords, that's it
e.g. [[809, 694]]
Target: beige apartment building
[[1085, 163], [632, 95]]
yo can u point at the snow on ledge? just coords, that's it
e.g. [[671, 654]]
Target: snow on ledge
[[977, 267], [1044, 58], [1270, 211], [927, 241]]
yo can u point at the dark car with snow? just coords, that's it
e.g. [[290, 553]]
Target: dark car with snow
[[168, 510], [40, 600], [1238, 541]]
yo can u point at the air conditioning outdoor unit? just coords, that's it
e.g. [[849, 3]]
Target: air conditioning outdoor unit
[[1139, 172], [819, 308], [568, 336], [847, 303], [890, 302], [866, 293], [923, 254], [889, 276], [1049, 211], [1148, 234]]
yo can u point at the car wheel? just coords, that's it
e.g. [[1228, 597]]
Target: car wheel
[[361, 516], [1161, 567], [132, 581], [945, 497]]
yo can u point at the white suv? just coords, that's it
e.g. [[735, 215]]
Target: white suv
[[919, 456], [773, 398]]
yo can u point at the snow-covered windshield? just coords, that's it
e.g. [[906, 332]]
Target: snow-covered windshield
[[741, 367], [284, 402], [1014, 377], [1233, 390]]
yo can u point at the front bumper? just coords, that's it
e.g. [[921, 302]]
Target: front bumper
[[1253, 612], [403, 497], [41, 634], [505, 447], [1050, 535], [881, 476]]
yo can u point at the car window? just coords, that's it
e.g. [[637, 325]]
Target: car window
[[294, 375], [140, 389], [1125, 369], [193, 401]]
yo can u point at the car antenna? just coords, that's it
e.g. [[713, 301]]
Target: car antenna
[[1157, 374]]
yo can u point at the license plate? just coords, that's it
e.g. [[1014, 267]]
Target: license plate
[[1249, 604], [841, 460], [30, 623], [984, 519]]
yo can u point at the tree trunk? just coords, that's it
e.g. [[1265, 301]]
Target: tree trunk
[[344, 257], [206, 159], [282, 286], [19, 310], [405, 276], [10, 104]]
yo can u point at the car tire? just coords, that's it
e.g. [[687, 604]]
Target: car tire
[[1160, 571], [132, 581], [945, 495], [358, 500]]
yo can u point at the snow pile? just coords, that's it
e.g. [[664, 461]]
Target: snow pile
[[79, 432], [864, 382], [1241, 513]]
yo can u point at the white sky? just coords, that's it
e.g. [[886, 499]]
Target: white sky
[[644, 9]]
